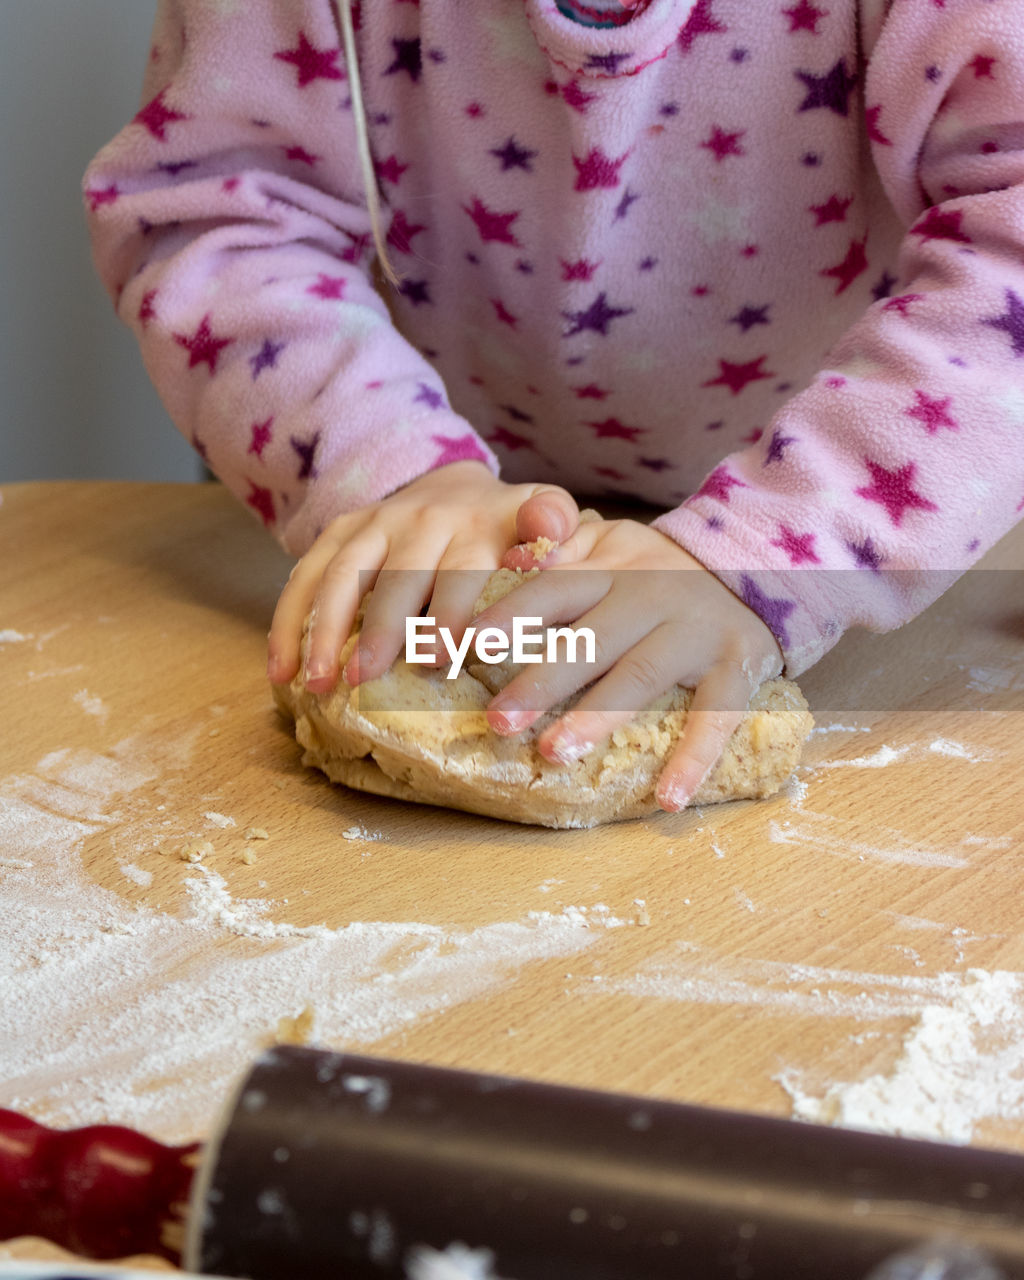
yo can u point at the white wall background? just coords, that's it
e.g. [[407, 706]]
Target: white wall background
[[75, 401]]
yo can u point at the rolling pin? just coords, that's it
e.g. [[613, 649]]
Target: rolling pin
[[336, 1165]]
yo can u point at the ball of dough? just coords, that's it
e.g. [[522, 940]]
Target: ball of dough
[[416, 735]]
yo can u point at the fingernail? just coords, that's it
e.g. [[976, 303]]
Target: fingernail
[[315, 669], [508, 717], [673, 798], [567, 748]]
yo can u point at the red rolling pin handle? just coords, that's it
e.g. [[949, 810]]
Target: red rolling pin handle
[[101, 1192]]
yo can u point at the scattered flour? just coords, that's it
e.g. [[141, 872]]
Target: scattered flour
[[10, 636], [219, 819], [137, 875], [962, 1061], [90, 703]]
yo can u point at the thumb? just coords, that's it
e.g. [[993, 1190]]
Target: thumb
[[548, 513]]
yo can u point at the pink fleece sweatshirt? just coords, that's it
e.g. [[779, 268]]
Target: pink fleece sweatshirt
[[761, 264]]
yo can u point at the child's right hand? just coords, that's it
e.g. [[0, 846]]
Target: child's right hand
[[456, 517]]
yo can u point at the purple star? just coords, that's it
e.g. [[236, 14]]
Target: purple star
[[429, 396], [407, 58], [416, 291], [1012, 322], [748, 316], [866, 555], [517, 415], [174, 167], [306, 450], [831, 90], [777, 446], [607, 62], [266, 357], [884, 287], [622, 208], [513, 156], [598, 316], [773, 611]]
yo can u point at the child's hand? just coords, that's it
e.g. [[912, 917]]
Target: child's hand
[[457, 517], [653, 629]]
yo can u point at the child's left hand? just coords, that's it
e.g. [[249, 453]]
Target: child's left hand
[[660, 619]]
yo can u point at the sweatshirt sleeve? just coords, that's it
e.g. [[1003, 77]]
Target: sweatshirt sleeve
[[902, 462], [229, 225]]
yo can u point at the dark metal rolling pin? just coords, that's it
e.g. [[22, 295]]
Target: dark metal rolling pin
[[334, 1165]]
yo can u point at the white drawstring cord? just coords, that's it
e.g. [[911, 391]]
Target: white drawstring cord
[[348, 36]]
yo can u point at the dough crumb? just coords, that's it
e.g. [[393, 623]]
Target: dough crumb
[[195, 850], [643, 916], [297, 1030], [248, 857], [257, 833], [219, 819]]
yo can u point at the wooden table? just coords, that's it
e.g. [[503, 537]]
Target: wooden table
[[740, 956]]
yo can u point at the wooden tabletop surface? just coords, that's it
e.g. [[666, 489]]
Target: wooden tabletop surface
[[755, 955]]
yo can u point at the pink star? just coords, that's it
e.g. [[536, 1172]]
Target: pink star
[[503, 313], [581, 269], [401, 231], [613, 429], [933, 414], [982, 66], [597, 170], [491, 225], [157, 115], [893, 490], [261, 437], [202, 346], [575, 97], [457, 449], [147, 311], [941, 224], [311, 63], [510, 439], [590, 392], [854, 264], [804, 17], [701, 22], [718, 485], [901, 302], [262, 502], [390, 170], [98, 196], [724, 144], [875, 133], [300, 155], [798, 546], [330, 288], [737, 376], [833, 210]]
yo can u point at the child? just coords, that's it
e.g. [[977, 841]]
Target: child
[[759, 264]]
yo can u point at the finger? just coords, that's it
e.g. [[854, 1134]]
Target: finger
[[649, 666], [347, 577], [555, 596], [293, 606], [719, 705], [457, 588], [398, 594], [548, 513]]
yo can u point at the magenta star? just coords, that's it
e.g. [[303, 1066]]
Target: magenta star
[[772, 610], [491, 225], [510, 439], [98, 196], [330, 288], [854, 264], [401, 231], [1012, 322], [901, 302], [933, 414], [724, 144], [147, 309], [719, 483], [894, 490], [941, 224], [798, 546], [874, 130], [982, 66], [833, 210], [156, 115], [738, 376], [597, 170], [503, 313], [457, 449], [804, 17], [262, 434], [311, 63], [590, 392], [581, 269], [390, 170], [202, 346], [701, 22], [262, 502], [613, 429], [832, 90], [300, 155], [575, 97]]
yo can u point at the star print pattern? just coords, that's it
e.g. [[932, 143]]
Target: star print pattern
[[601, 284]]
